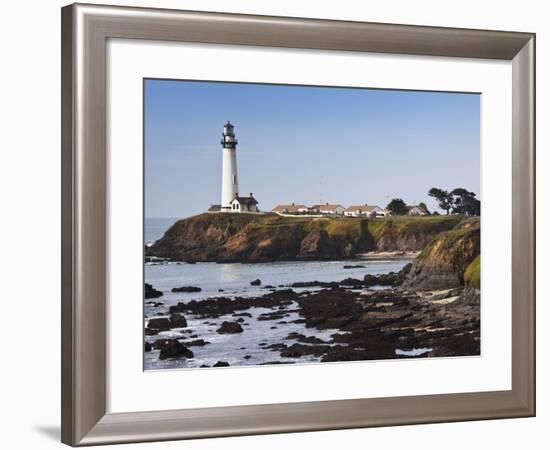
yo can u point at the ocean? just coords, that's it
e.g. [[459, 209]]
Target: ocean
[[231, 280]]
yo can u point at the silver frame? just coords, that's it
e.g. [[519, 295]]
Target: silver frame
[[85, 30]]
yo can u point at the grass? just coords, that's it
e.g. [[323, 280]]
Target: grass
[[472, 273]]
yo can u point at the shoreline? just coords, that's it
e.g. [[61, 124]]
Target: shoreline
[[360, 257], [364, 322]]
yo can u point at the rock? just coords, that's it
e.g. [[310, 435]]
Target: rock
[[256, 282], [443, 262], [221, 364], [247, 356], [306, 340], [148, 347], [177, 321], [354, 266], [175, 349], [299, 350], [154, 304], [159, 324], [196, 343], [151, 292], [351, 282], [187, 289], [230, 328]]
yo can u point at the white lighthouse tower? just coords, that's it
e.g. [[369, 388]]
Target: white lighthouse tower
[[230, 180]]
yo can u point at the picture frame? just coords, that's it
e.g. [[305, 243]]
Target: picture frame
[[85, 31]]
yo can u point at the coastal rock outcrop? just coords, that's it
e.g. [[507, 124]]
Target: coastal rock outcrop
[[443, 262], [268, 237]]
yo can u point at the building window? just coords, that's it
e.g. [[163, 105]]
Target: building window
[[234, 179]]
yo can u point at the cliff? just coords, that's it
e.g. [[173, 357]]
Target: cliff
[[449, 260], [269, 237]]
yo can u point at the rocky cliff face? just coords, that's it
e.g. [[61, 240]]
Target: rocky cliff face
[[443, 262], [262, 238]]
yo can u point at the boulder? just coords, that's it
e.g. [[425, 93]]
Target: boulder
[[230, 328], [175, 349], [187, 289], [159, 324], [221, 364], [177, 321], [256, 282], [151, 292]]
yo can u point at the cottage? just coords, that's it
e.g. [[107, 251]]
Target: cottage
[[290, 209], [331, 209], [244, 204], [415, 210], [365, 211]]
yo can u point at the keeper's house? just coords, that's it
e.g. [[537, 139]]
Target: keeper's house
[[244, 204]]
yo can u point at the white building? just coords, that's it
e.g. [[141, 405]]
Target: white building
[[331, 209], [244, 204], [231, 202], [290, 209], [365, 211], [230, 180], [415, 210]]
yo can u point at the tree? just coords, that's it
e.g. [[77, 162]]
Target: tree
[[465, 202], [397, 207], [444, 199], [423, 206]]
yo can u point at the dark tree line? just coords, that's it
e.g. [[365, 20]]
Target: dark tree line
[[457, 201]]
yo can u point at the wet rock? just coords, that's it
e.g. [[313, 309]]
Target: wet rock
[[272, 316], [247, 356], [354, 266], [151, 292], [177, 321], [154, 304], [299, 350], [196, 343], [305, 339], [256, 282], [240, 320], [148, 347], [221, 364], [159, 324], [175, 349], [277, 347], [230, 328], [352, 282], [187, 289]]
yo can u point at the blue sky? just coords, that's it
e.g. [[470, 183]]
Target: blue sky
[[306, 144]]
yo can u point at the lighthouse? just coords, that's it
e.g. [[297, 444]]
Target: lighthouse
[[230, 180]]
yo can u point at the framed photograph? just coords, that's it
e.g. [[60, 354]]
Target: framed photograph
[[282, 224]]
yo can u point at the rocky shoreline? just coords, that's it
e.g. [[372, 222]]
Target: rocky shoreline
[[371, 324]]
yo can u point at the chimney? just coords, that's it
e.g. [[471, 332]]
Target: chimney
[[251, 194], [292, 203]]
